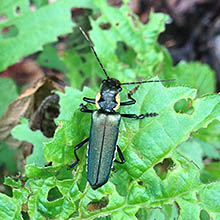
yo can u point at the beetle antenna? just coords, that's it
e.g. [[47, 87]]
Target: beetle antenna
[[93, 50], [148, 81]]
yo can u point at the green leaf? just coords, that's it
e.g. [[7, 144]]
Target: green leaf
[[23, 133], [144, 144], [81, 67], [211, 173], [43, 20], [135, 189], [40, 3], [7, 156], [210, 135], [39, 206], [11, 207], [125, 27], [70, 101], [8, 91], [59, 150], [194, 75], [49, 58], [209, 199], [191, 149]]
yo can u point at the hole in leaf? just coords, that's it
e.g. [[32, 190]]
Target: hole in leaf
[[18, 10], [204, 215], [141, 213], [141, 183], [81, 73], [97, 205], [176, 205], [162, 168], [115, 3], [54, 194], [49, 164], [198, 197], [83, 59], [25, 215], [125, 54], [184, 106], [3, 18], [9, 32], [105, 26]]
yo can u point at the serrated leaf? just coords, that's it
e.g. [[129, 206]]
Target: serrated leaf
[[210, 136], [43, 20], [194, 75], [126, 27], [144, 144], [11, 207], [41, 208]]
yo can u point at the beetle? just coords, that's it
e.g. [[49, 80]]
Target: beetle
[[105, 126]]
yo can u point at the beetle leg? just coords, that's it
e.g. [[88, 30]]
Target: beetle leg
[[139, 116], [130, 93], [92, 101], [120, 156], [75, 149], [85, 109]]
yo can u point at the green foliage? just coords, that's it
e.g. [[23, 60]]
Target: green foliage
[[10, 207], [125, 27], [7, 156], [195, 76], [23, 133], [33, 28], [8, 91], [49, 58], [128, 50]]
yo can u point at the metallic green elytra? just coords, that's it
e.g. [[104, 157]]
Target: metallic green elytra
[[102, 147], [105, 127]]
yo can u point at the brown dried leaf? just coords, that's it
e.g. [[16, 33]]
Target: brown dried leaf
[[25, 106]]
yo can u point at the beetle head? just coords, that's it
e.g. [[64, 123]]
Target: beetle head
[[111, 85], [108, 99]]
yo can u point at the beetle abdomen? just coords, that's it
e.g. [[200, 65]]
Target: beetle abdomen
[[102, 145]]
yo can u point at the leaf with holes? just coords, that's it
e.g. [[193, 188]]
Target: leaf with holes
[[10, 207], [122, 26], [23, 31], [144, 143], [158, 180]]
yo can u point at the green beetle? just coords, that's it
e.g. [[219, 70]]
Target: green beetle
[[105, 127]]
